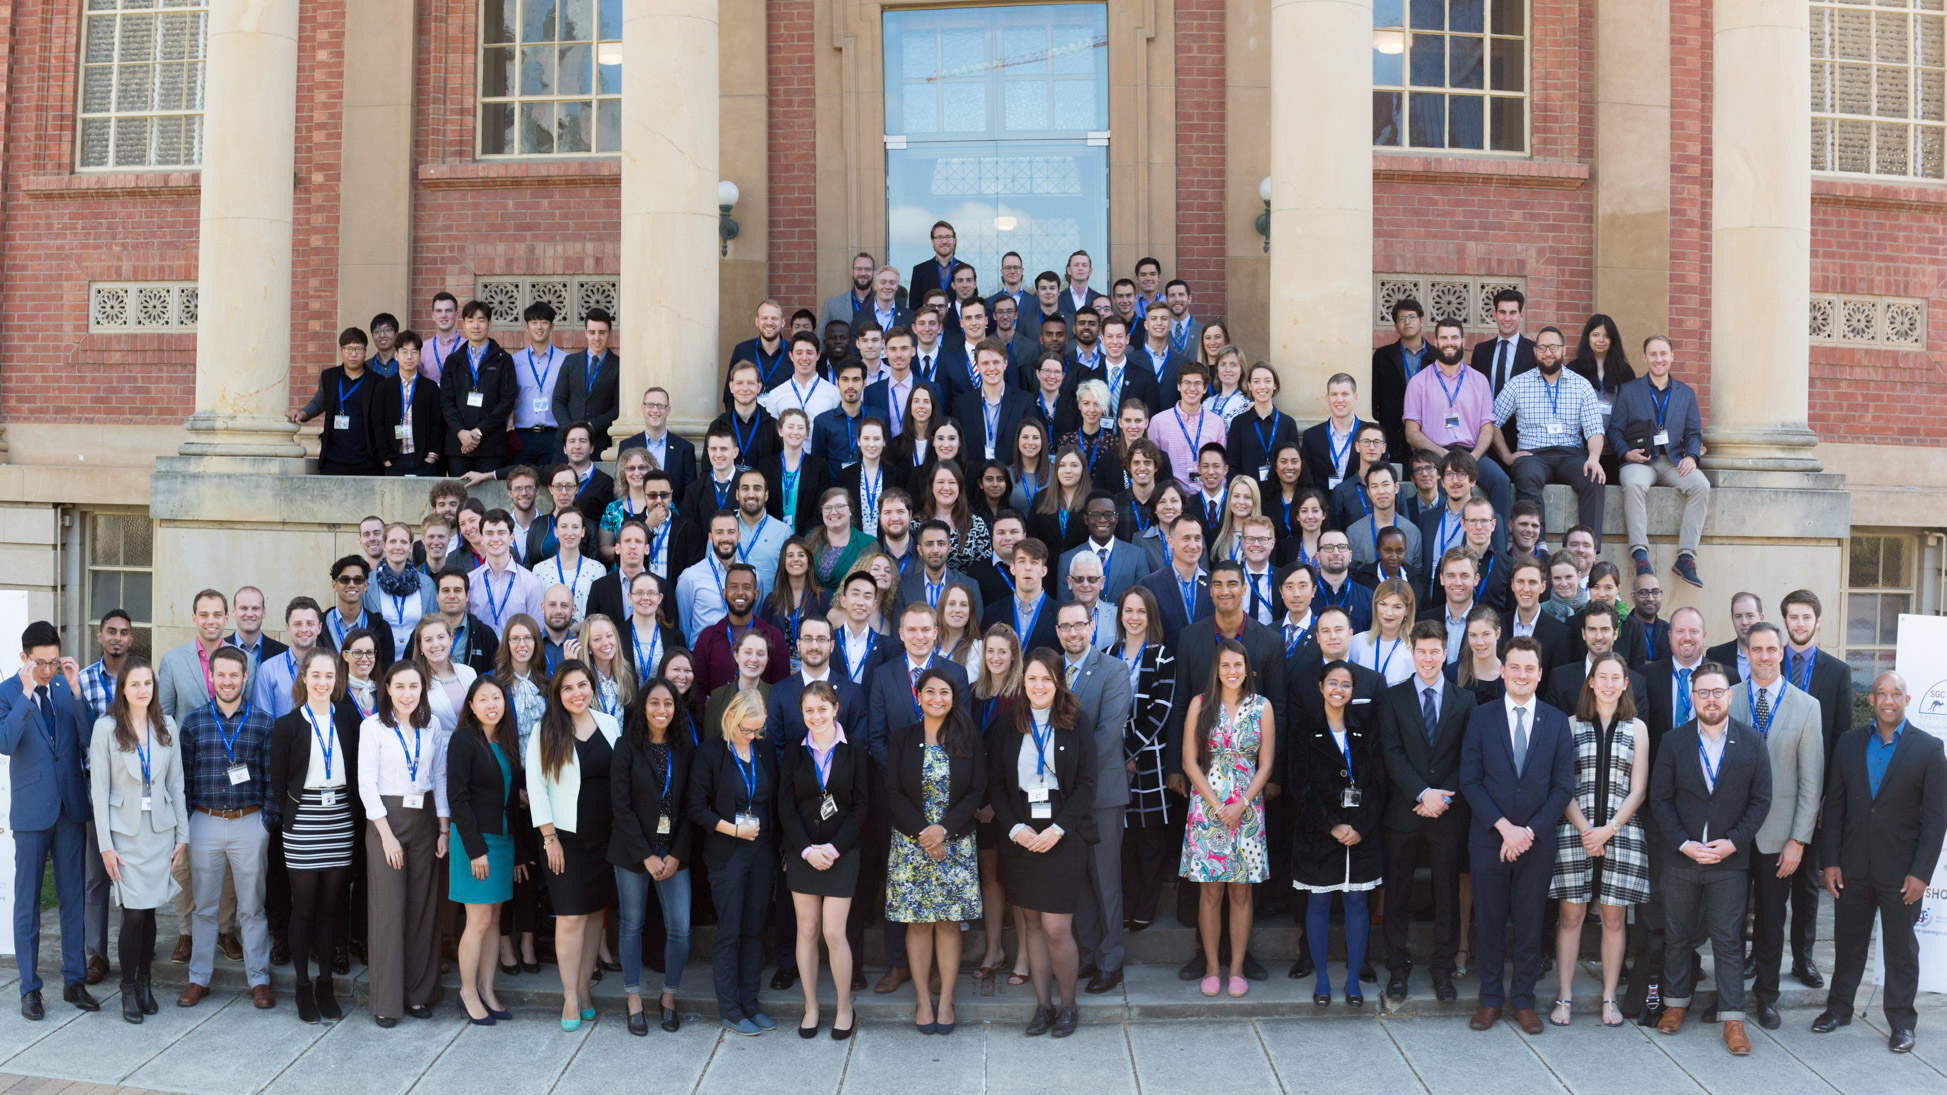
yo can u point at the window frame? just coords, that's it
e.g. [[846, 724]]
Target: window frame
[[1486, 92], [482, 101], [1911, 121], [82, 115], [1913, 590], [90, 611]]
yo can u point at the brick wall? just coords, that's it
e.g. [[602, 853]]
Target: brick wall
[[1690, 182], [793, 156], [1200, 154]]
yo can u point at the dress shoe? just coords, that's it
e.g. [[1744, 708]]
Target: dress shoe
[[1354, 1000], [193, 994], [385, 1022], [639, 1024], [1301, 967], [307, 1006], [1735, 1039], [894, 977], [1043, 1019], [1103, 981], [1191, 970], [419, 1011], [1829, 1021], [1527, 1020], [1808, 974], [145, 992], [610, 966], [1396, 988], [784, 979], [280, 953], [672, 1022], [1900, 1041], [1750, 967], [1321, 999], [97, 969], [840, 1034], [1065, 1021], [325, 995], [1367, 974], [341, 960], [30, 1005], [1484, 1019], [1686, 568], [1443, 989], [1086, 972], [77, 994], [131, 1003], [261, 999], [181, 954], [231, 947], [1672, 1020], [1767, 1014]]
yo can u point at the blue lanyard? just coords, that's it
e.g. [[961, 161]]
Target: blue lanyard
[[1189, 591], [343, 394], [440, 358], [1339, 452], [325, 740], [769, 368], [803, 398], [1379, 665], [1345, 594], [1445, 542], [563, 575], [540, 374], [1039, 727], [743, 443], [1292, 642], [1649, 643], [823, 767], [1710, 770], [1090, 451], [990, 418], [1459, 383], [493, 609], [1486, 573], [1257, 425], [933, 593], [1751, 701], [1196, 443], [1114, 379], [406, 389], [869, 491], [473, 363], [1039, 601], [146, 746], [748, 771], [1662, 406], [723, 490], [1180, 334], [1157, 363], [851, 670], [594, 370], [645, 660], [744, 546], [229, 740], [917, 713], [655, 546], [1346, 752], [412, 759], [338, 628]]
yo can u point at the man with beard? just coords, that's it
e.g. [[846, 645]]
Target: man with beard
[[1559, 432], [1450, 408], [700, 596], [716, 645]]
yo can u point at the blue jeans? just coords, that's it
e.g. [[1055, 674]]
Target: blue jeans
[[632, 901]]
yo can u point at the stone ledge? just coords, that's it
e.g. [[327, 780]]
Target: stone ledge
[[1907, 195], [471, 175], [155, 184], [1479, 171]]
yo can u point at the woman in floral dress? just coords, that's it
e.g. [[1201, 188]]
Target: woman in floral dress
[[1223, 842]]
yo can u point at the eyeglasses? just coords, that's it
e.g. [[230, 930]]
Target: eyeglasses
[[350, 579], [659, 495], [1477, 522], [655, 406], [1073, 625], [1710, 693], [1083, 578], [361, 655], [1334, 547]]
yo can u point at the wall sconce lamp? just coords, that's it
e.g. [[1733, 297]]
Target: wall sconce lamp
[[1264, 218], [727, 195]]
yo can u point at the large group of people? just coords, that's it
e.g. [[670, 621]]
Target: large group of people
[[994, 610]]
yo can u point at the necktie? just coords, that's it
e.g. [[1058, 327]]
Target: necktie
[[1257, 598], [1683, 696], [46, 705], [1500, 364], [1073, 672], [926, 366], [915, 676], [1103, 553], [1428, 712], [1764, 709], [1520, 739], [1211, 508]]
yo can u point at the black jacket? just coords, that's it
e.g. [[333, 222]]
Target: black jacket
[[1884, 838], [1551, 633], [1831, 685], [291, 741], [1644, 644], [1563, 688], [428, 423], [498, 388], [756, 436], [597, 403], [814, 479], [1073, 800], [1305, 704], [480, 804], [717, 792], [799, 807], [1415, 763], [680, 460], [1482, 358], [1389, 394], [1687, 809], [1319, 777], [637, 799], [352, 445], [905, 777]]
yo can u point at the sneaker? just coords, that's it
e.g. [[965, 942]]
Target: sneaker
[[741, 1026], [1642, 558], [1686, 568]]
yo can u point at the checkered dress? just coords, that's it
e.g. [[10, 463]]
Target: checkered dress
[[1154, 688], [1624, 877]]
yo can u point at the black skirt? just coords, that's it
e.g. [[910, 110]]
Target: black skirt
[[1049, 882], [842, 880]]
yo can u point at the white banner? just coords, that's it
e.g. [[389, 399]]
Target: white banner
[[1921, 658], [13, 621]]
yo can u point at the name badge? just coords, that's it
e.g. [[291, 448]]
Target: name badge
[[1332, 481], [1554, 427], [416, 800], [827, 809], [662, 825], [1041, 811], [1264, 473], [1037, 794], [540, 406], [328, 797], [401, 432], [341, 422], [990, 452], [239, 773], [147, 804], [749, 819], [1607, 404], [1661, 439], [1453, 421], [476, 399], [1349, 798]]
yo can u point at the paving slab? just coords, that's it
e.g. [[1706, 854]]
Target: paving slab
[[1095, 1059], [17, 1033], [354, 1055], [101, 1048], [894, 1059], [1592, 1059], [1337, 1059], [612, 1060], [239, 1051], [1699, 1050], [765, 1063], [1854, 1059], [1179, 1055], [1452, 1059], [518, 1057]]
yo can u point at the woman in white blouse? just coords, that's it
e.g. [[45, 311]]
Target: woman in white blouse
[[568, 566], [446, 683], [401, 761], [1385, 649], [959, 628]]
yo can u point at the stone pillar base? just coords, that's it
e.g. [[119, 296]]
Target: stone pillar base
[[1783, 448], [215, 434]]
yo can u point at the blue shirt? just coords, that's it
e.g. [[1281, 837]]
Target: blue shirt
[[206, 763], [1879, 754]]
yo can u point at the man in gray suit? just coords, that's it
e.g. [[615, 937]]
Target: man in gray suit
[[1789, 720], [1123, 563], [1085, 586], [1101, 686], [182, 680], [928, 580]]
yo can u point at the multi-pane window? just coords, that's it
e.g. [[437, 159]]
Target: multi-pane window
[[121, 574], [142, 83], [550, 77], [1450, 74], [1880, 577], [1879, 88]]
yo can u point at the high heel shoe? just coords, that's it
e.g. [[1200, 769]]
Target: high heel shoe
[[530, 967], [484, 1021], [501, 1014], [639, 1024], [509, 971]]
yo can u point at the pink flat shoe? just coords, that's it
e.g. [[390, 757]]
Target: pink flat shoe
[[1209, 985], [1238, 986]]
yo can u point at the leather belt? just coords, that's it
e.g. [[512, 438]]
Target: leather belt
[[229, 815]]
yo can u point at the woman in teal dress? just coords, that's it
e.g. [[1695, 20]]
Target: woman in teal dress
[[936, 774], [480, 786]]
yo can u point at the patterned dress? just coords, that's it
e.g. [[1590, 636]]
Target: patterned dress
[[1621, 876], [924, 890], [1212, 853]]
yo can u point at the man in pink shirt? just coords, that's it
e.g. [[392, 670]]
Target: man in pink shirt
[[1451, 407], [1183, 430]]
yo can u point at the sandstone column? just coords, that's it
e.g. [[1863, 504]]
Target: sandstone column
[[1761, 239], [1321, 196], [243, 349], [669, 211]]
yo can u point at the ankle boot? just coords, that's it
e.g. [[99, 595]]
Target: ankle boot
[[326, 999], [131, 1005], [146, 994], [307, 1008]]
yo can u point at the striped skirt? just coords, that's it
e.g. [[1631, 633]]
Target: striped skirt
[[319, 837]]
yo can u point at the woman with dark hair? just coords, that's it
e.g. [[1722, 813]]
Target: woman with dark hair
[[521, 667], [996, 689], [1282, 490], [1229, 757], [1056, 519], [945, 499], [651, 842], [733, 784], [313, 756], [796, 595], [946, 449], [1601, 359], [405, 837], [1043, 801], [1152, 682], [865, 480], [1478, 668], [1169, 502], [835, 545], [1032, 469], [993, 490], [936, 775], [1601, 856], [679, 669], [1340, 795], [1308, 515], [797, 478], [136, 783], [482, 789], [567, 763], [916, 423], [821, 814]]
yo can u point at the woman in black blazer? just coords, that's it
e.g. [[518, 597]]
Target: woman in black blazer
[[1340, 794], [936, 775], [1057, 517], [318, 799], [733, 783], [388, 415], [651, 842], [814, 475], [483, 794], [821, 813], [1045, 831], [646, 635]]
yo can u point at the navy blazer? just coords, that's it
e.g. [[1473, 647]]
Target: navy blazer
[[717, 792], [1169, 600], [1430, 534], [878, 650], [890, 706], [784, 724], [1482, 358], [47, 781], [1685, 808], [1537, 796], [926, 278], [969, 409], [1315, 447], [595, 400], [1634, 415], [1886, 837], [681, 462]]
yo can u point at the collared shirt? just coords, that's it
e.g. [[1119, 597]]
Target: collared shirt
[[1181, 436], [699, 596], [1456, 631], [98, 689], [857, 649], [1500, 365], [814, 399], [1711, 761], [1773, 692], [270, 691], [1519, 630], [536, 374], [1552, 416], [1421, 688], [206, 763], [1682, 708], [1879, 754], [897, 392], [1431, 399], [1261, 602], [658, 448], [1414, 359], [386, 765], [1527, 723], [760, 545], [497, 596]]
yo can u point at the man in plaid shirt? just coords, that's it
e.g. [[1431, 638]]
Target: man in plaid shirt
[[115, 635], [1558, 429]]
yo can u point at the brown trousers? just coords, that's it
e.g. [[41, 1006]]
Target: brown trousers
[[402, 936]]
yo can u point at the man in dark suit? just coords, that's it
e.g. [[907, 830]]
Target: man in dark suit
[[926, 582], [1100, 685], [1746, 609], [45, 735], [1645, 638], [1709, 793], [1392, 366], [588, 389], [1327, 446], [1829, 680], [1078, 295], [1029, 611], [1887, 807], [1421, 723], [1517, 770], [1509, 353], [857, 650], [675, 455], [477, 389], [1599, 627], [1182, 589], [1527, 581], [990, 416], [936, 272]]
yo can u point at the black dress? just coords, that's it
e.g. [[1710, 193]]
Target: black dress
[[1050, 881], [801, 820], [587, 885]]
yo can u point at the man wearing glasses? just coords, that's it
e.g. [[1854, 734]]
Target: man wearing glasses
[[1101, 686], [1336, 589], [1558, 430], [349, 577], [1443, 527], [671, 453]]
